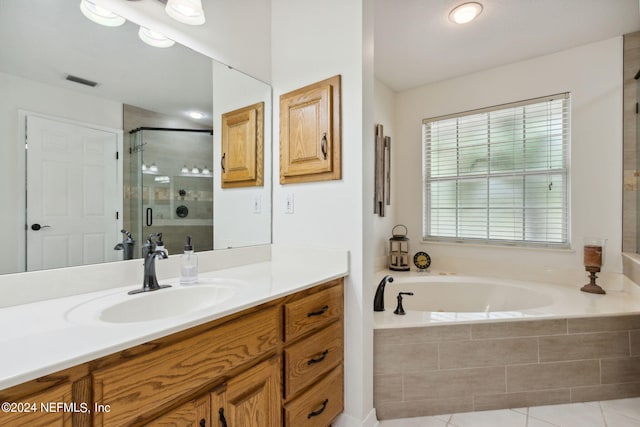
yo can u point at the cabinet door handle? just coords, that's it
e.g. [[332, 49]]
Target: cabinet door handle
[[319, 411], [320, 312], [149, 217], [223, 421], [318, 359], [222, 162], [203, 423], [323, 145]]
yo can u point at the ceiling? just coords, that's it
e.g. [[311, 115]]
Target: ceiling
[[416, 44]]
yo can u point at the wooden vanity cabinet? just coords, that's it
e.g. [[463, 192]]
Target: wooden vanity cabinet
[[250, 399], [29, 410], [313, 358], [277, 364]]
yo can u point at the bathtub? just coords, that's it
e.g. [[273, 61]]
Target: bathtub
[[450, 298], [474, 343]]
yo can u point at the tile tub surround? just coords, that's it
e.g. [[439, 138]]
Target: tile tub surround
[[444, 369]]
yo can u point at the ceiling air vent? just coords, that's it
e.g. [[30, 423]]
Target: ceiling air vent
[[81, 81]]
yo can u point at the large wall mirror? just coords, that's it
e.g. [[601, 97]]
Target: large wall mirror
[[80, 163]]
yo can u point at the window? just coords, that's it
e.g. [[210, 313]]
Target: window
[[498, 175]]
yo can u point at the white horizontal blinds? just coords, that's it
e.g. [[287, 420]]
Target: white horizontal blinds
[[499, 175]]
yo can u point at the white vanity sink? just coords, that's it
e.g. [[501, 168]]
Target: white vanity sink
[[178, 300]]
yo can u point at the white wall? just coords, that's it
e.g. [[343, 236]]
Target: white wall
[[593, 75], [21, 94], [384, 113], [312, 41], [240, 226]]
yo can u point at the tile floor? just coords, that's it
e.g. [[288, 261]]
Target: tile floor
[[607, 413]]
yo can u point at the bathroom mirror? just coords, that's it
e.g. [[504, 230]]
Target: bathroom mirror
[[138, 86]]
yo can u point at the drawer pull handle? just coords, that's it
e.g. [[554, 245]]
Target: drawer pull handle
[[203, 423], [320, 312], [319, 358], [223, 421], [319, 411]]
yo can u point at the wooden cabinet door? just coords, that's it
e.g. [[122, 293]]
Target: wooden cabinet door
[[243, 146], [310, 133], [195, 413], [251, 399], [42, 409]]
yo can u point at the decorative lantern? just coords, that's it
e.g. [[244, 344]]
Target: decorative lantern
[[593, 258], [399, 250]]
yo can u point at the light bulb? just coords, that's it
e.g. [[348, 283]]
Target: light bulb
[[195, 170], [206, 171], [153, 167], [100, 15], [184, 169], [465, 12], [186, 11], [153, 38]]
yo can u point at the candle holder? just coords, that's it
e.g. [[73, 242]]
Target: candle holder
[[593, 254]]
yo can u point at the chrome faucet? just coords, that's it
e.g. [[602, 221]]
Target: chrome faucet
[[378, 299], [127, 245], [151, 252]]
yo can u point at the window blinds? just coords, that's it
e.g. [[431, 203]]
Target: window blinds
[[499, 175]]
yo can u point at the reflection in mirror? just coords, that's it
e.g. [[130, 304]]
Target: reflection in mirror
[[172, 185], [138, 86]]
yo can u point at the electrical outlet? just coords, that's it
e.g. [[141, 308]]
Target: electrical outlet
[[288, 206], [257, 204]]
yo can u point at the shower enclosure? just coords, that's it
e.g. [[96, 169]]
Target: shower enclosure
[[171, 189]]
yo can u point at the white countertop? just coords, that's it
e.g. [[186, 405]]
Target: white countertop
[[40, 338]]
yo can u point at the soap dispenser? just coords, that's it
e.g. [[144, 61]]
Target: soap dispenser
[[188, 264]]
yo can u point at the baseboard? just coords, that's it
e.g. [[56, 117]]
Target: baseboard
[[345, 420]]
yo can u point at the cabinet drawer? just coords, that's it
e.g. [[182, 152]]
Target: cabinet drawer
[[312, 312], [308, 359], [318, 406], [143, 385]]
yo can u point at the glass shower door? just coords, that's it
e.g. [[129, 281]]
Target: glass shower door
[[175, 186]]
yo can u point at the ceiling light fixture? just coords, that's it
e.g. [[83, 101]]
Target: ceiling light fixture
[[196, 115], [206, 171], [184, 169], [100, 15], [154, 39], [195, 170], [465, 12], [186, 11]]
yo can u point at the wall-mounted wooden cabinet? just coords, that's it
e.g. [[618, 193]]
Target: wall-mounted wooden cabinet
[[243, 147], [310, 133]]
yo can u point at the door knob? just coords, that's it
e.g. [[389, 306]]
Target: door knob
[[36, 227]]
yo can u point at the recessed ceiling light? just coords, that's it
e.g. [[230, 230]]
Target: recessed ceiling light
[[154, 39], [465, 12], [196, 115], [100, 15], [186, 11]]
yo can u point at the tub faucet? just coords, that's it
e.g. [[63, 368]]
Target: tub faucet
[[400, 309], [378, 299], [151, 252]]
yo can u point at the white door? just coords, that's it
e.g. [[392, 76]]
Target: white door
[[72, 194]]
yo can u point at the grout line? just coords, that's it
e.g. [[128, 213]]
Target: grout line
[[604, 419]]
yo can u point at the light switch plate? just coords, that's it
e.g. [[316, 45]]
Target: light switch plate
[[288, 204]]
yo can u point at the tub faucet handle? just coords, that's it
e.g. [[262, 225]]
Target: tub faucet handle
[[399, 309]]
